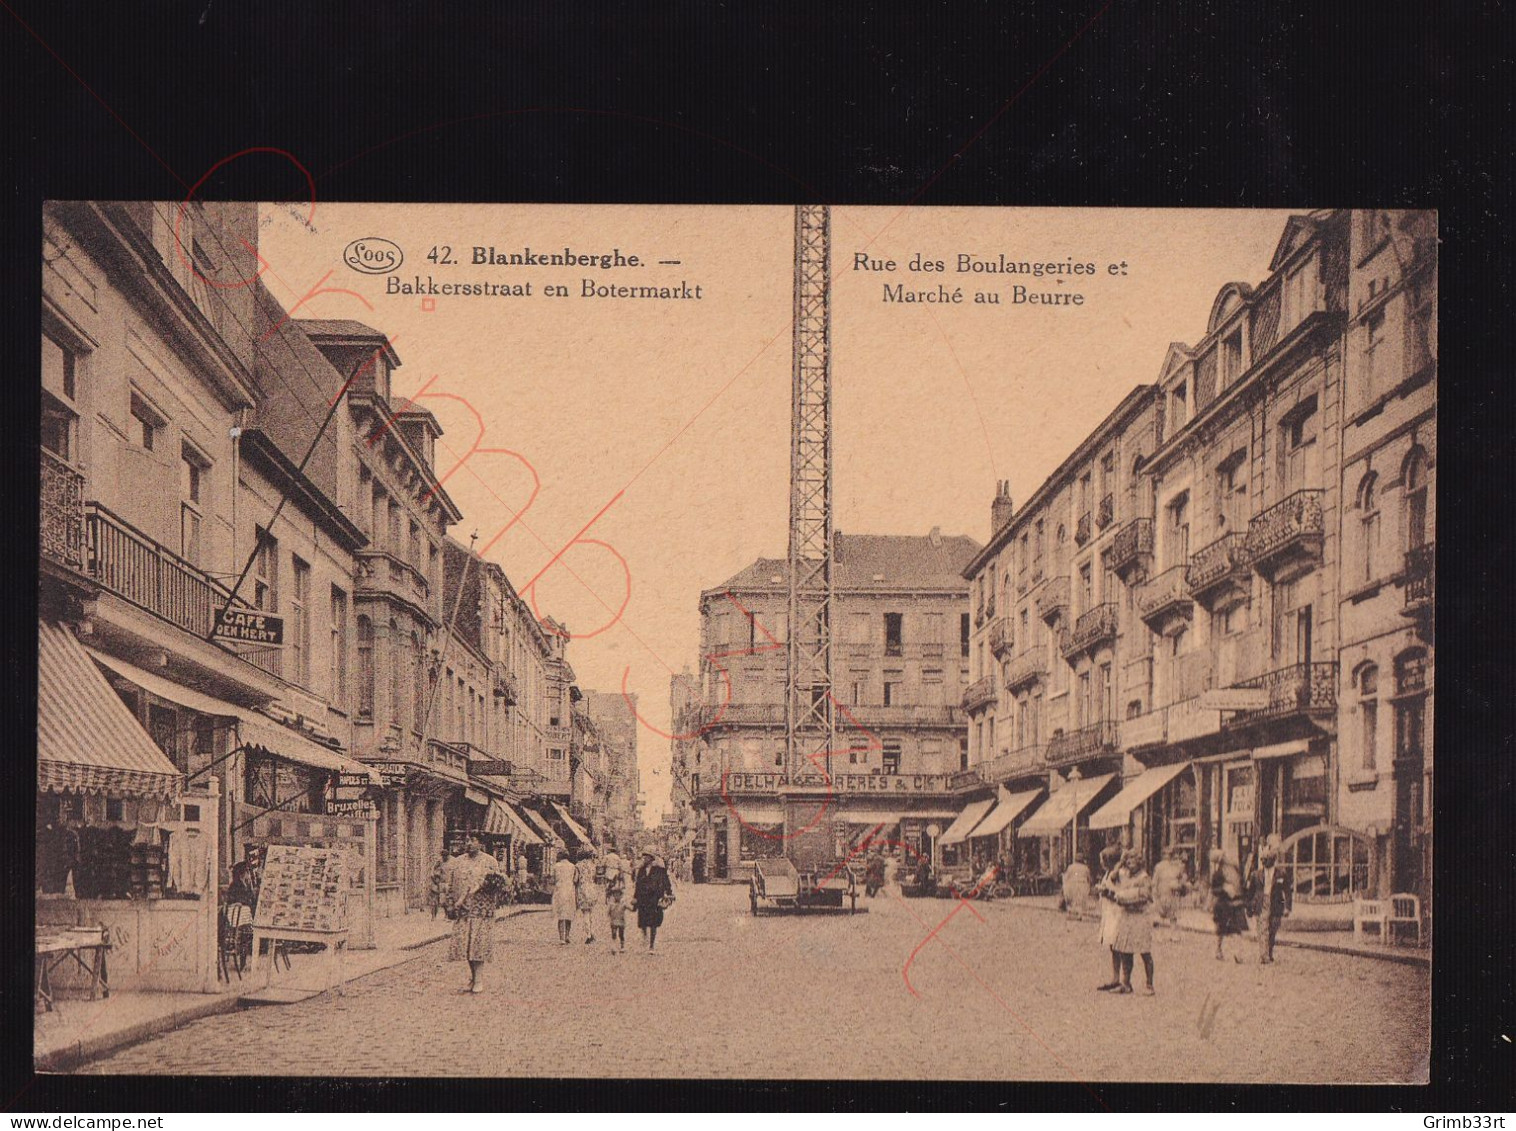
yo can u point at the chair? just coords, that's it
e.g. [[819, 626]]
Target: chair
[[1369, 912], [1404, 909], [236, 924]]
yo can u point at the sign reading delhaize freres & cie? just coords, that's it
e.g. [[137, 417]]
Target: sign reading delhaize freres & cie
[[249, 626]]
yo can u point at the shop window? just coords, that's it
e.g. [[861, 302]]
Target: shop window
[[1326, 865], [1367, 684]]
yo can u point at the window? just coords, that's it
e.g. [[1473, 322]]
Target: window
[[1103, 690], [381, 511], [1086, 587], [339, 648], [1231, 357], [396, 669], [59, 390], [266, 572], [891, 757], [1367, 680], [1292, 624], [365, 668], [1301, 466], [1298, 297], [414, 547], [963, 635], [1037, 550], [192, 469], [1232, 494], [859, 688], [1368, 523], [1177, 543], [1415, 476], [893, 686], [394, 528], [1107, 474], [145, 423], [1179, 407], [893, 629], [859, 629], [419, 685], [934, 631], [300, 622]]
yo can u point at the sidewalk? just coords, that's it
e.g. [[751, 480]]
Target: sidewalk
[[1329, 942], [79, 1030]]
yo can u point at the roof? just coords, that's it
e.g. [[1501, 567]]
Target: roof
[[87, 739], [346, 329], [877, 561]]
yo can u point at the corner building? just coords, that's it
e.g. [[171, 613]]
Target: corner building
[[900, 666], [1257, 659]]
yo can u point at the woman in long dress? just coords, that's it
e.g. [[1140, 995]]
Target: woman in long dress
[[472, 898], [1227, 911], [651, 893], [565, 899], [588, 895], [1110, 911]]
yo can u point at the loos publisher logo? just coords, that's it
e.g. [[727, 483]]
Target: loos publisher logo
[[373, 256]]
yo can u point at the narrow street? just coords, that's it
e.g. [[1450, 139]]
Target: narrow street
[[1006, 997]]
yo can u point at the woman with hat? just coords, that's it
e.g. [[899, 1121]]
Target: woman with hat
[[651, 895]]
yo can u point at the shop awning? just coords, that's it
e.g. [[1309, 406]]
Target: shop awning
[[574, 826], [166, 688], [538, 822], [87, 739], [501, 820], [271, 738], [972, 814], [1114, 813], [1059, 809], [1008, 806]]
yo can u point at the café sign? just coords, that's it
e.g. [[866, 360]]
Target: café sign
[[840, 783], [1235, 699], [392, 773], [249, 626]]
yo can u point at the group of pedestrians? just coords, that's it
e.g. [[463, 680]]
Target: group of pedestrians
[[581, 890], [1131, 900]]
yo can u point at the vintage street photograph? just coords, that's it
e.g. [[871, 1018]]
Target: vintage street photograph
[[736, 642]]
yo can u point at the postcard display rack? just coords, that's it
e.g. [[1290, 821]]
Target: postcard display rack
[[303, 898]]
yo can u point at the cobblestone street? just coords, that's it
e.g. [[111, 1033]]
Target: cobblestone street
[[1010, 996]]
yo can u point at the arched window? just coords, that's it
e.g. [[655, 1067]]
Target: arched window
[[365, 668], [1414, 476], [1366, 684], [1368, 520], [1326, 864]]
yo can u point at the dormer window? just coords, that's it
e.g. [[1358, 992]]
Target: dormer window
[[1179, 406]]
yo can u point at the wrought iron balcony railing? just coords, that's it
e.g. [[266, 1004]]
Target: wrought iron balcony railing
[[980, 693], [1291, 529], [1053, 599], [1211, 567], [1420, 578], [1012, 763], [1298, 689], [1000, 636], [1031, 665], [1095, 627], [1132, 546], [1091, 741], [1164, 598], [62, 520]]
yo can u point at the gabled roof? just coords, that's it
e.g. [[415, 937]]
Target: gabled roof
[[1179, 353], [877, 561], [341, 331], [1221, 308], [1297, 229]]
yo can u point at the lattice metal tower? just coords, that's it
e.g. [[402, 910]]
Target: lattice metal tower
[[810, 719]]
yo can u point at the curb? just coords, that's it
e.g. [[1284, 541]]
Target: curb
[[76, 1053], [1402, 957]]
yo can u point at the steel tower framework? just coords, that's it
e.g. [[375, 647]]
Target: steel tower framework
[[810, 718]]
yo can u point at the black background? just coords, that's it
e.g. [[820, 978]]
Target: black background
[[1171, 104]]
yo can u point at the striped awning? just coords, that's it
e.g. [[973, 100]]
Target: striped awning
[[264, 734], [1008, 807], [574, 826], [1118, 810], [500, 819], [1059, 809], [972, 814], [544, 830], [87, 739]]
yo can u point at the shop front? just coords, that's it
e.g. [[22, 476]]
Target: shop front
[[1155, 812], [1060, 830], [127, 858]]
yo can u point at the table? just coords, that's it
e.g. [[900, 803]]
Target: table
[[56, 949]]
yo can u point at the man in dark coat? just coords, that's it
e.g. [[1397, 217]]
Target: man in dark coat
[[651, 894], [1270, 895]]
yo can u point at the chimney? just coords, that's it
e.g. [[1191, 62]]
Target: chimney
[[1002, 508], [935, 537]]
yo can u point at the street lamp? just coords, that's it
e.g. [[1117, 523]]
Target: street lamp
[[1074, 779]]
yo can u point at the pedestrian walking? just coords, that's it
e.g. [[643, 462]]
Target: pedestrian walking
[[652, 894], [1227, 912], [1269, 896], [474, 890], [439, 881], [1170, 883], [587, 894], [1132, 894], [616, 880], [1110, 913], [565, 899]]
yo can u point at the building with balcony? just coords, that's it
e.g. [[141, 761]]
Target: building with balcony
[[1056, 562], [615, 720], [1271, 574], [900, 658]]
